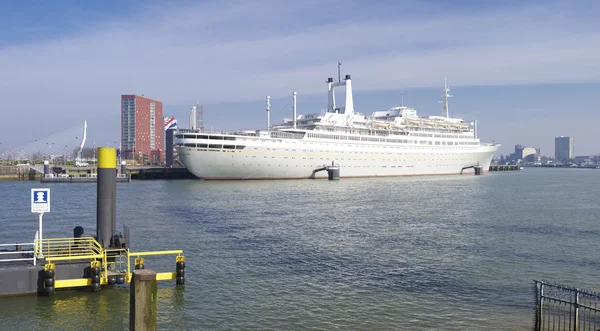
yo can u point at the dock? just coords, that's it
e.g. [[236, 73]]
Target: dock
[[160, 173], [84, 260], [81, 179], [503, 167], [75, 263], [71, 174]]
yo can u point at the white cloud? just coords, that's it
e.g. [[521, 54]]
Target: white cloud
[[236, 51]]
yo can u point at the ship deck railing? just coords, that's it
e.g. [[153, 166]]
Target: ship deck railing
[[237, 133], [283, 133]]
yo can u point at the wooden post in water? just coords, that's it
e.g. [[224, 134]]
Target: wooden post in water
[[143, 300]]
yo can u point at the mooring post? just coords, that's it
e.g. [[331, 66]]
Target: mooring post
[[143, 300], [106, 195]]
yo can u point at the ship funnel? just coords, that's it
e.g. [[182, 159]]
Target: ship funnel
[[331, 96], [349, 107]]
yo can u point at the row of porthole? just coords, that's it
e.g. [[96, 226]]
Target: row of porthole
[[341, 152], [373, 153], [363, 159], [316, 166], [472, 145], [341, 166]]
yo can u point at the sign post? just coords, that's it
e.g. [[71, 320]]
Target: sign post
[[40, 203]]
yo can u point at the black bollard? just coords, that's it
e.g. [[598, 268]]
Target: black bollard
[[139, 263], [78, 232]]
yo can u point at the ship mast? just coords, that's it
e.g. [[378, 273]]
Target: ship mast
[[294, 108], [268, 112], [445, 97]]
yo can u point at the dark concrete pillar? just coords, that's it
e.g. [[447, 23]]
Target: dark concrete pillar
[[169, 148], [106, 196]]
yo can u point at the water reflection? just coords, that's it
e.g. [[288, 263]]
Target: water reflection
[[444, 253], [84, 310]]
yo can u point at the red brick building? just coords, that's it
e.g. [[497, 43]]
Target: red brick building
[[141, 129]]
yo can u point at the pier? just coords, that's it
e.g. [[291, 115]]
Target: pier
[[84, 260], [81, 179], [160, 173], [504, 167], [72, 174]]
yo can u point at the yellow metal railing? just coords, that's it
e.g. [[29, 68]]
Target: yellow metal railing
[[113, 262], [67, 249], [172, 252], [159, 275], [116, 257]]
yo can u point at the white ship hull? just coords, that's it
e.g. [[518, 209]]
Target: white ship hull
[[291, 159], [393, 142]]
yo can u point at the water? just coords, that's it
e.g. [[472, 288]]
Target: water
[[447, 252]]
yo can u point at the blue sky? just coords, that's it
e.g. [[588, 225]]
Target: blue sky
[[526, 70]]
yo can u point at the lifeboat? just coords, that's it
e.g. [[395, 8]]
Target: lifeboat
[[397, 125], [380, 124]]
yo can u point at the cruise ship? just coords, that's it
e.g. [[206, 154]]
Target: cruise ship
[[393, 142]]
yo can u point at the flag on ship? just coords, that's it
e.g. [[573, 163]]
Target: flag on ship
[[171, 124]]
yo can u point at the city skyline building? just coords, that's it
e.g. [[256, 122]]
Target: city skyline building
[[196, 119], [526, 154], [564, 148], [523, 155], [141, 128]]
